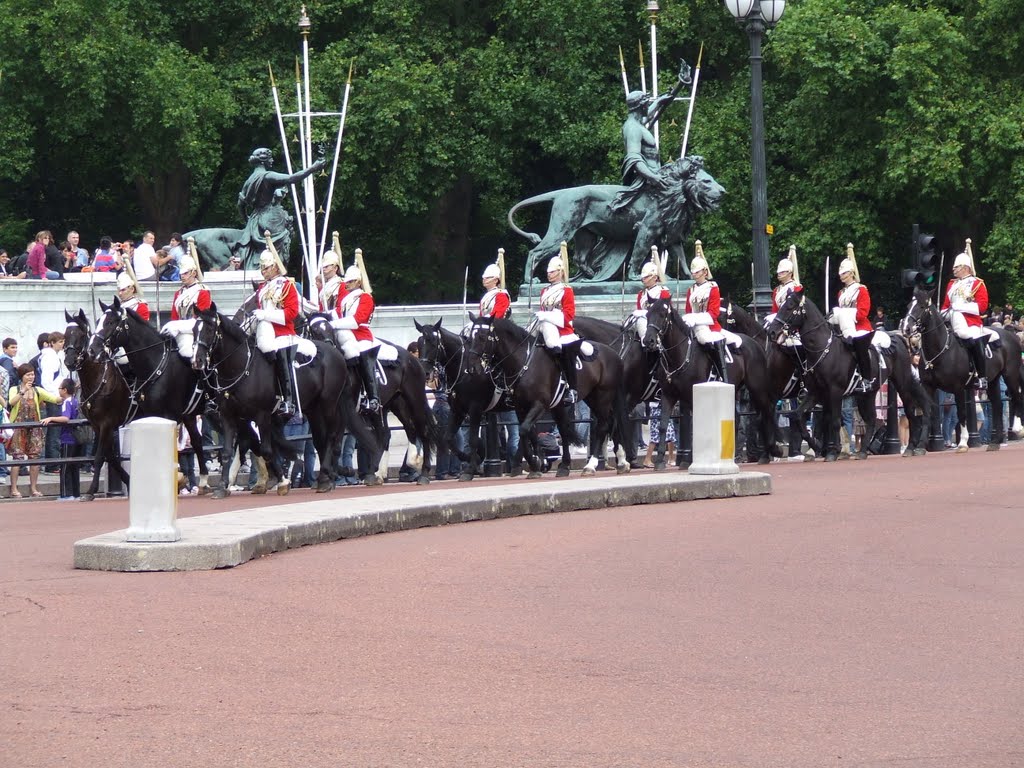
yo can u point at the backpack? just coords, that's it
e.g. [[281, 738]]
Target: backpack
[[37, 367]]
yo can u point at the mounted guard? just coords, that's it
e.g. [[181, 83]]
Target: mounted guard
[[332, 287], [788, 274], [703, 306], [852, 318], [965, 301], [188, 300], [354, 314], [130, 292], [652, 276], [277, 307], [495, 301], [554, 321]]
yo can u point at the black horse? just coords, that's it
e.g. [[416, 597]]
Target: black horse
[[470, 394], [165, 385], [945, 365], [829, 366], [683, 363], [104, 398], [511, 355], [243, 382], [784, 372], [402, 386]]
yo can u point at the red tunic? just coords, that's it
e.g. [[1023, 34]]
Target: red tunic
[[779, 293], [496, 305], [359, 305], [202, 301], [287, 299], [705, 298], [972, 289], [565, 302], [862, 302], [140, 308], [643, 303]]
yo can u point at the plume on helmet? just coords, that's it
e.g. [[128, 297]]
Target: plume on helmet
[[796, 264], [273, 252], [127, 277], [849, 264], [364, 279], [970, 257], [563, 252], [699, 261], [194, 255], [501, 266]]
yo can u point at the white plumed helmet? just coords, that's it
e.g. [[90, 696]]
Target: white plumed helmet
[[330, 260], [555, 263], [699, 262], [352, 274], [966, 259], [845, 266], [124, 280], [849, 264], [492, 271], [649, 268], [188, 264], [785, 265]]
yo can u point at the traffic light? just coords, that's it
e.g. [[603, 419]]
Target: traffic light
[[926, 261]]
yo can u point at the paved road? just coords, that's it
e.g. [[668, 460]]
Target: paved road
[[866, 614]]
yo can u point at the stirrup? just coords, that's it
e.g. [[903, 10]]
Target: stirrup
[[980, 382], [284, 407], [370, 405], [571, 397]]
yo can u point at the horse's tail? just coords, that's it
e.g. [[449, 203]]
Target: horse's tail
[[533, 237]]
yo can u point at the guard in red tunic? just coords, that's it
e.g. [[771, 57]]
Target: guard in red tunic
[[332, 289], [277, 307], [652, 276], [554, 322], [357, 342], [788, 274], [188, 300], [129, 293], [852, 318], [966, 300], [703, 304], [496, 301]]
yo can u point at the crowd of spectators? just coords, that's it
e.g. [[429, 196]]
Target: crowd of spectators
[[45, 259]]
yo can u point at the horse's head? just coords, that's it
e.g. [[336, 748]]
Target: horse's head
[[111, 330], [208, 332], [918, 311], [659, 317], [791, 315], [432, 347], [318, 326], [725, 316], [479, 343], [76, 339]]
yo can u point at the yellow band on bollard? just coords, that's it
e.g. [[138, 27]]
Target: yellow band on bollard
[[728, 439]]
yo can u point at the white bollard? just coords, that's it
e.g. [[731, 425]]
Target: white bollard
[[714, 429], [153, 496]]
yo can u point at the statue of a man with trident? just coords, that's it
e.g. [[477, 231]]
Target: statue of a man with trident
[[259, 202]]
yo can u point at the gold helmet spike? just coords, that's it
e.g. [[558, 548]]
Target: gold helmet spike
[[563, 251], [970, 255], [853, 260], [273, 250], [364, 278], [195, 257], [796, 265], [501, 266]]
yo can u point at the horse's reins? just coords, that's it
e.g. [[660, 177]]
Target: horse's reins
[[661, 353], [930, 363], [210, 370]]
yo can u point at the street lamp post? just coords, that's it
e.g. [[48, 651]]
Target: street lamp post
[[756, 16]]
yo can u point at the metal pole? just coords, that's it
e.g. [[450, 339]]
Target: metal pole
[[334, 165], [622, 66], [892, 423], [652, 7], [311, 257], [287, 157], [759, 183], [693, 99]]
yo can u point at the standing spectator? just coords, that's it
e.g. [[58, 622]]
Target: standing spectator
[[7, 361], [106, 259], [187, 463], [654, 427], [81, 255], [446, 462], [25, 403], [5, 387], [37, 266], [144, 258], [52, 371], [70, 488]]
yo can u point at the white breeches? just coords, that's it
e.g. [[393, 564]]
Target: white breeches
[[266, 341], [962, 329], [552, 336], [847, 317], [350, 346], [640, 323], [705, 335], [181, 332], [120, 357]]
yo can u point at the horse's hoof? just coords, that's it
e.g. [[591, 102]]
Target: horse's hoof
[[259, 490], [423, 480], [660, 466], [961, 449], [534, 475], [861, 456], [992, 447], [920, 452], [323, 486], [205, 490], [764, 460], [622, 469], [372, 480], [587, 471], [466, 477], [831, 457], [87, 497], [684, 465], [221, 493], [283, 488], [843, 456], [562, 471], [516, 472]]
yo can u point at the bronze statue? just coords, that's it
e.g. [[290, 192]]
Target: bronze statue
[[606, 233], [260, 203]]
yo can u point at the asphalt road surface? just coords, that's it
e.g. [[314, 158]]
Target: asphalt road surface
[[865, 614]]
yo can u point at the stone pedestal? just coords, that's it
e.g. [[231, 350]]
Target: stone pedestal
[[714, 429], [153, 497]]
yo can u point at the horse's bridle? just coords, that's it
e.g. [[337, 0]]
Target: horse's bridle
[[211, 375], [788, 331], [108, 343], [919, 329], [439, 366], [661, 349]]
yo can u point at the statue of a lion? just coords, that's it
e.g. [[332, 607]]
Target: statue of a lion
[[605, 237]]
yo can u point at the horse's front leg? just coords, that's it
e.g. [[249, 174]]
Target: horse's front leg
[[192, 427], [961, 417], [324, 439], [229, 438], [528, 433], [564, 419]]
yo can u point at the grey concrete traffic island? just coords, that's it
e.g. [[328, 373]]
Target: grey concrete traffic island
[[228, 539]]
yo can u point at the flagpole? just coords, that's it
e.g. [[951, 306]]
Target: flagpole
[[334, 163], [643, 67], [311, 256], [622, 66], [287, 157], [652, 9], [693, 99]]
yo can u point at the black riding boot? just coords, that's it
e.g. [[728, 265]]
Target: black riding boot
[[723, 366], [978, 358], [568, 362], [862, 350], [286, 382], [367, 369]]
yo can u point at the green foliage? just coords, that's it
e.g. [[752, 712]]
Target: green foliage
[[878, 115]]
